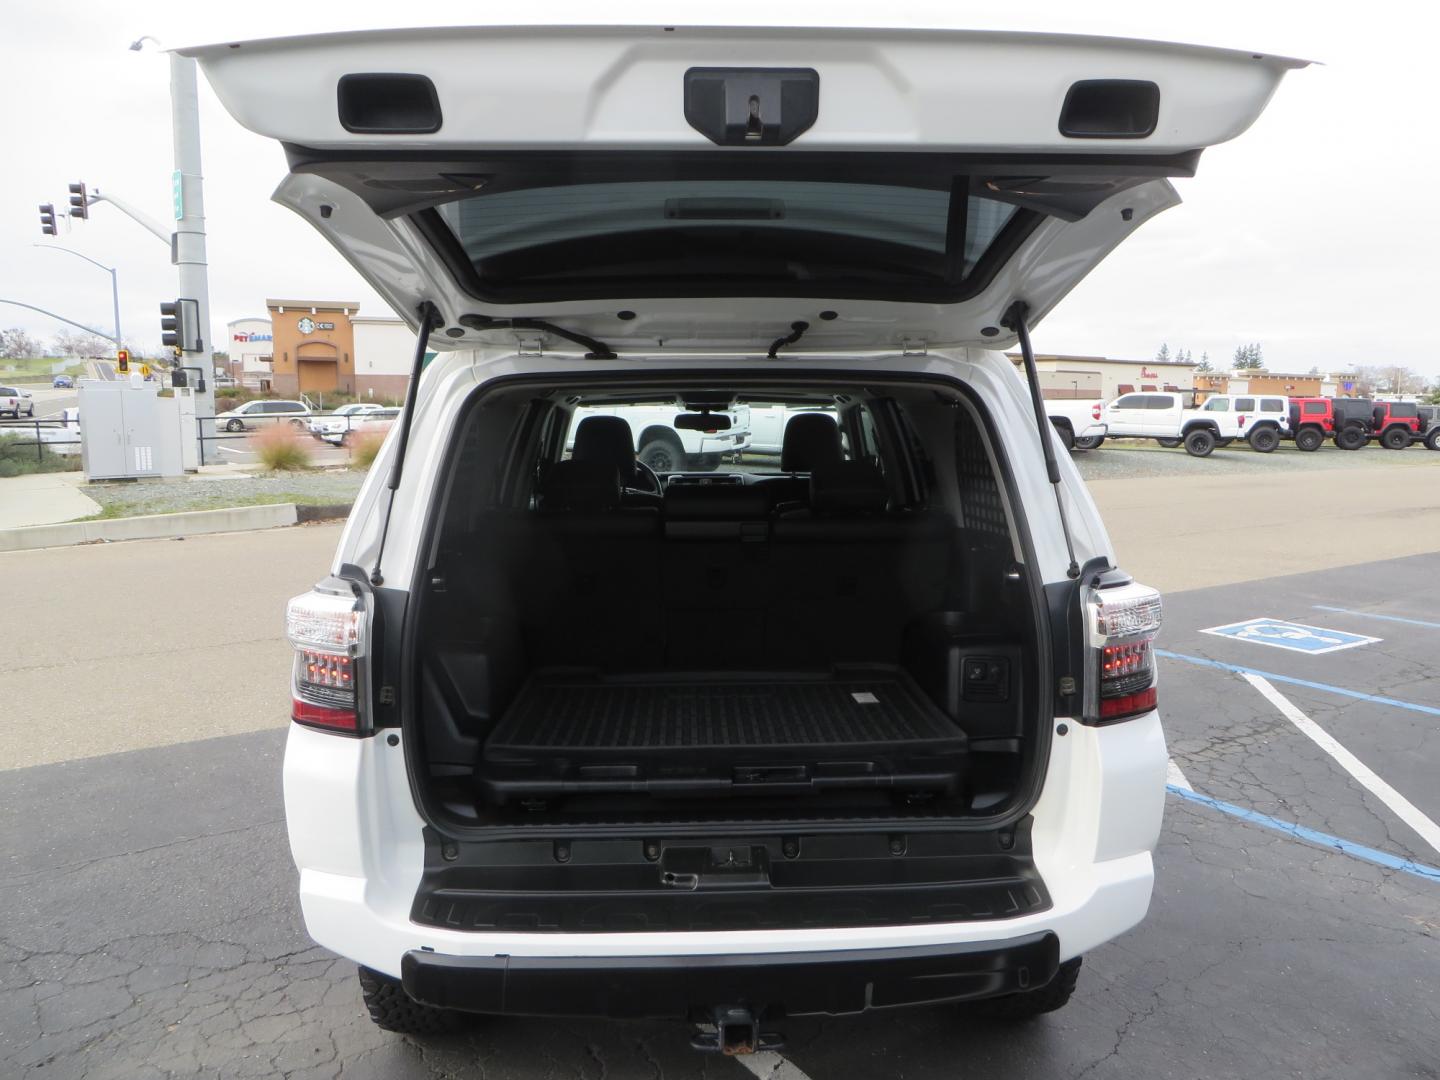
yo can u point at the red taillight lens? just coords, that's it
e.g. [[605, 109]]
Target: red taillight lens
[[1123, 622], [1095, 410], [328, 632]]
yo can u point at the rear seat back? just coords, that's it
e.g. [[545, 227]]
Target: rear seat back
[[850, 574], [716, 575]]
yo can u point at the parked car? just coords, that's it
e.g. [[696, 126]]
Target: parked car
[[1312, 421], [1430, 426], [370, 422], [1260, 419], [338, 422], [1079, 423], [663, 447], [255, 414], [878, 728], [1396, 424], [62, 382], [16, 401]]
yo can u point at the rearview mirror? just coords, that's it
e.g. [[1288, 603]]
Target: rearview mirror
[[691, 421]]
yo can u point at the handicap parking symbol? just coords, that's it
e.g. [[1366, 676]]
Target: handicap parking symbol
[[1296, 637]]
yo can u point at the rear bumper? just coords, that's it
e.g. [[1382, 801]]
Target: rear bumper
[[797, 983]]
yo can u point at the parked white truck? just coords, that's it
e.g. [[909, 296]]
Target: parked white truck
[[664, 448], [1259, 419], [1079, 423]]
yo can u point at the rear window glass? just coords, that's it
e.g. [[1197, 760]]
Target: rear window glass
[[1245, 404], [1314, 408], [1158, 401], [720, 237], [1272, 404]]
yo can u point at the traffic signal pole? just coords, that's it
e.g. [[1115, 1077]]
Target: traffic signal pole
[[189, 249]]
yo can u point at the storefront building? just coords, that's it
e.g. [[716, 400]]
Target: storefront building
[[1090, 377], [248, 343], [314, 346], [384, 354]]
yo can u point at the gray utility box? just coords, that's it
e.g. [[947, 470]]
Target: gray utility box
[[127, 430]]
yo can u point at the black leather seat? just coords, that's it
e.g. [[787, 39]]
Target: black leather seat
[[811, 441], [608, 440], [849, 573]]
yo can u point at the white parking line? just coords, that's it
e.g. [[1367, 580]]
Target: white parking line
[[1364, 775], [772, 1066], [1175, 778]]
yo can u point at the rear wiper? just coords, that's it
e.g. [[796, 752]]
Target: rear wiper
[[1014, 319], [797, 331], [598, 349]]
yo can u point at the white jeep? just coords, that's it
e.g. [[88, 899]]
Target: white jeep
[[874, 728]]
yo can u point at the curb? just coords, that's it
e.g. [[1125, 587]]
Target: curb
[[152, 526]]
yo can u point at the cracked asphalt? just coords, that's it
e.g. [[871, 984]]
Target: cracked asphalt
[[151, 928]]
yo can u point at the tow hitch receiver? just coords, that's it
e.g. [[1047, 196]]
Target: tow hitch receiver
[[737, 1031]]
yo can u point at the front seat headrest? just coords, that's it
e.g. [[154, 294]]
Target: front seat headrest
[[812, 440], [606, 439], [590, 486]]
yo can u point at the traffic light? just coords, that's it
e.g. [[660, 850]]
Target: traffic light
[[122, 361], [79, 202], [47, 218], [180, 325]]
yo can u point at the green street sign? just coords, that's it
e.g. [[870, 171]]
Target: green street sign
[[177, 193]]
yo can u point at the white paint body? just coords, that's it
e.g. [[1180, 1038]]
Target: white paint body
[[354, 828]]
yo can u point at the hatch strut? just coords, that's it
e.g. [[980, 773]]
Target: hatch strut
[[429, 320], [598, 349], [797, 331], [1014, 319]]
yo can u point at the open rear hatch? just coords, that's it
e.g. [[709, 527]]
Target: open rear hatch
[[648, 186]]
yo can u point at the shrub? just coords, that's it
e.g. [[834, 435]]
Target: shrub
[[365, 446], [281, 446], [23, 460]]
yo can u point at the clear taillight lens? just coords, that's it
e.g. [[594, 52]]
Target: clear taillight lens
[[328, 633], [1121, 626]]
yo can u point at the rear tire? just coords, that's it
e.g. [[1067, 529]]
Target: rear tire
[[1350, 438], [1090, 442], [705, 462], [1200, 442], [234, 425], [662, 455], [1066, 433], [394, 1010], [1308, 439], [1264, 440], [1397, 438], [1029, 1004], [1432, 441], [1170, 444]]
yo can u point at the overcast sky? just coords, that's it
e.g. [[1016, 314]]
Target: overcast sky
[[1313, 233]]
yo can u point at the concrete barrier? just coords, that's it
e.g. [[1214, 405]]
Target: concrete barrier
[[149, 527]]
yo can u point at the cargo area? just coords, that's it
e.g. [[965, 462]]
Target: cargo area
[[838, 632]]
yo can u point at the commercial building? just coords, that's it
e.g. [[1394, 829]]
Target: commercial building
[[1252, 381], [1063, 376], [314, 346], [248, 342], [384, 353]]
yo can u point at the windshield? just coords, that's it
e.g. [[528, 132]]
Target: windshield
[[724, 237]]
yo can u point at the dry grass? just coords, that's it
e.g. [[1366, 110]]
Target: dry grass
[[366, 445], [281, 447]]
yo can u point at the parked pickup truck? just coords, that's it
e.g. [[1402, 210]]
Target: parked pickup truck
[[664, 448], [1260, 419], [1079, 422]]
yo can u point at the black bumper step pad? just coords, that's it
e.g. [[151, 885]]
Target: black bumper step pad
[[569, 733]]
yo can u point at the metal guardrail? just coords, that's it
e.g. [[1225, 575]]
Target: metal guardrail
[[300, 423], [38, 424]]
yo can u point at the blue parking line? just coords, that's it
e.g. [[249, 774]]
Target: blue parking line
[[1374, 615], [1378, 699], [1300, 832]]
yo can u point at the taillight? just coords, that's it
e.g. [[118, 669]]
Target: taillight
[[1121, 626], [1095, 411], [327, 630]]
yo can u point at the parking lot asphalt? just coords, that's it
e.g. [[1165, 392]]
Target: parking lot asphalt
[[152, 928]]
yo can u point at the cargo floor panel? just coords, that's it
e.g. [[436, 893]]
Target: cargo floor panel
[[569, 733]]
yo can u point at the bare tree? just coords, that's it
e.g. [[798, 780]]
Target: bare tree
[[79, 343], [16, 344]]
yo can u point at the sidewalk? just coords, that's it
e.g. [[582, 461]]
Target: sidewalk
[[44, 499]]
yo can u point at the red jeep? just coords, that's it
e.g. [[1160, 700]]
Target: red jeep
[[1312, 421], [1396, 423]]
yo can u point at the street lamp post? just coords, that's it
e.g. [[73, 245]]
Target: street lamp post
[[114, 281]]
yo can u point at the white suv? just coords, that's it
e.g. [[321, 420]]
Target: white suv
[[876, 727]]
